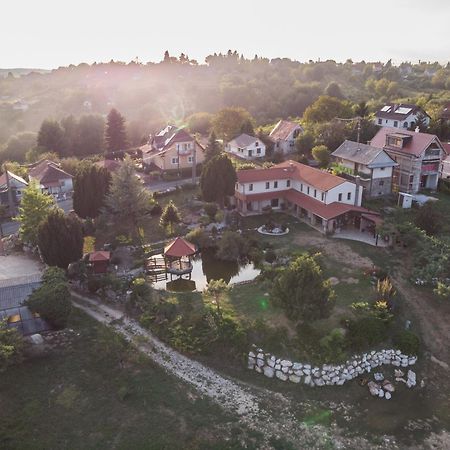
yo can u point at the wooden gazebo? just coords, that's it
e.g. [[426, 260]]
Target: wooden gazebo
[[177, 257]]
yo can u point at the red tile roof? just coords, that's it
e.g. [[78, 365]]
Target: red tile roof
[[179, 247], [416, 145], [316, 178], [283, 129], [48, 172], [99, 256]]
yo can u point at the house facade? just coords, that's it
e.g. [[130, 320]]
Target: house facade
[[51, 178], [16, 184], [419, 157], [284, 135], [400, 116], [172, 149], [325, 201], [372, 165], [246, 147]]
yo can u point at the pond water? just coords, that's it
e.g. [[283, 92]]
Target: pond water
[[207, 267]]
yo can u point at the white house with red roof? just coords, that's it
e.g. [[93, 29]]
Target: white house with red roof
[[172, 149], [325, 201], [51, 178], [419, 157], [246, 147], [284, 135]]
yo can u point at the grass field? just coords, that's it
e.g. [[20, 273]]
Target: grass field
[[96, 392]]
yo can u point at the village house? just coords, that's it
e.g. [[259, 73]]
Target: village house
[[172, 149], [327, 202], [372, 165], [246, 147], [284, 135], [400, 116], [445, 165], [419, 157], [16, 184], [51, 178]]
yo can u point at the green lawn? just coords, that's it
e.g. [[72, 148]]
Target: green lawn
[[97, 392]]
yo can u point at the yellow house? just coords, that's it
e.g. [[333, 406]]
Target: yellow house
[[172, 149]]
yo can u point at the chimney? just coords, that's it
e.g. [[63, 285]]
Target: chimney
[[358, 187], [417, 130]]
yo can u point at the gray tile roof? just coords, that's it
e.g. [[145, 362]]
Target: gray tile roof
[[357, 152], [244, 140], [14, 296]]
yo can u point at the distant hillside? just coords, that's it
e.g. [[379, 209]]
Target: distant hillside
[[17, 72]]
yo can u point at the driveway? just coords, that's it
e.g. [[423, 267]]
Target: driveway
[[18, 266]]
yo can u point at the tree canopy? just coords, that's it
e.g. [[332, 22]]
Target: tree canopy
[[90, 187], [115, 134], [60, 239], [170, 217], [34, 208], [229, 122], [127, 201], [301, 289], [326, 108], [322, 155], [51, 136], [218, 179]]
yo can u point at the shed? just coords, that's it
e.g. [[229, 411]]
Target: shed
[[100, 261]]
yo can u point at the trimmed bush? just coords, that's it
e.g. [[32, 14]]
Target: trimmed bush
[[407, 342]]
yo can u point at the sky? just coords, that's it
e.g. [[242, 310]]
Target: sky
[[51, 33]]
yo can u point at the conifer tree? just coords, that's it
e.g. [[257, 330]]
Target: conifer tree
[[115, 134]]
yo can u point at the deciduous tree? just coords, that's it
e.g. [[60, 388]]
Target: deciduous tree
[[51, 136], [34, 208], [322, 155], [228, 122]]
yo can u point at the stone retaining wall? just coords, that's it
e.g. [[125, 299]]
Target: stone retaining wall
[[327, 374]]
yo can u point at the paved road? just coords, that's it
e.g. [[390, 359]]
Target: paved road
[[12, 226]]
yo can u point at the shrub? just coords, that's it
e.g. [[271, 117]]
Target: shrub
[[270, 256], [11, 346], [365, 332], [231, 247], [52, 299], [200, 238], [407, 342], [333, 345], [210, 209]]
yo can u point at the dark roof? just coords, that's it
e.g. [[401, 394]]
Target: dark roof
[[48, 172], [415, 143], [24, 321], [283, 129], [179, 136], [398, 111], [14, 296], [244, 140], [360, 153]]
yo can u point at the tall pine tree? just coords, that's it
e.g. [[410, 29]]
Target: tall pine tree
[[212, 148], [115, 134], [91, 185], [60, 239]]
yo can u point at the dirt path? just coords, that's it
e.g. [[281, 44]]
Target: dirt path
[[251, 404]]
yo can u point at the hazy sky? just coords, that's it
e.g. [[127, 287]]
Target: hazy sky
[[51, 33]]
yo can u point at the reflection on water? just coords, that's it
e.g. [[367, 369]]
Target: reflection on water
[[206, 268]]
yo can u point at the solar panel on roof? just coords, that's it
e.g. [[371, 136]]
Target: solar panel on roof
[[385, 108], [403, 110]]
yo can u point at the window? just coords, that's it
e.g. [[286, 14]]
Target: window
[[250, 187], [267, 185], [250, 153], [191, 159], [412, 124], [174, 160], [380, 121], [275, 184], [258, 150], [381, 182], [382, 168], [307, 190], [274, 203], [386, 121], [323, 196], [301, 187], [395, 123], [405, 125], [288, 183], [340, 198], [349, 196], [256, 144], [315, 193]]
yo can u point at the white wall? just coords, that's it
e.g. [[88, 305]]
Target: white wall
[[243, 152], [344, 189], [400, 123]]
